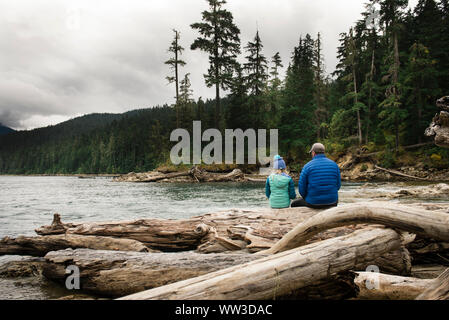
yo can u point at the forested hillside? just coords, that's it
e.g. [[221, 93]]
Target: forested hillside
[[96, 143], [393, 65]]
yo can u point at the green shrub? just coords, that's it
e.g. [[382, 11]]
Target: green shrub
[[388, 160]]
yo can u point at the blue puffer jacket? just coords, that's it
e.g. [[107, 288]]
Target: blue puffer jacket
[[320, 181]]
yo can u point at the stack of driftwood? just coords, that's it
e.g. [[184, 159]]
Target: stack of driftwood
[[296, 253]]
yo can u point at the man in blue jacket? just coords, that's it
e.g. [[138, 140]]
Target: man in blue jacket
[[319, 182]]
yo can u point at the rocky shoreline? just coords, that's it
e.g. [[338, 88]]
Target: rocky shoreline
[[367, 172], [362, 172]]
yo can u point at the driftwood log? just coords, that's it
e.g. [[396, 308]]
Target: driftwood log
[[379, 286], [418, 221], [284, 273], [439, 128], [39, 246], [194, 174], [395, 172], [116, 274], [214, 232]]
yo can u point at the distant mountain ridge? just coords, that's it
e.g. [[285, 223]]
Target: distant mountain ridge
[[137, 140], [5, 130], [98, 142]]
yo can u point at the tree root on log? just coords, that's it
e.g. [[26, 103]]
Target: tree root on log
[[40, 246]]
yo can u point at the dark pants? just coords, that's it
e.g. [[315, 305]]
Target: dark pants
[[303, 203]]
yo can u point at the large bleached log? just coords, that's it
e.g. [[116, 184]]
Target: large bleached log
[[379, 286], [39, 246], [156, 233], [424, 223], [283, 273], [439, 290], [116, 274], [395, 172], [259, 229]]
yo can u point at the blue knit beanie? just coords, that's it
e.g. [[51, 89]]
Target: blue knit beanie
[[279, 163]]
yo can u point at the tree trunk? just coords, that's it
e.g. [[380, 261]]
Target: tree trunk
[[284, 273], [359, 123], [425, 223], [395, 84], [370, 96], [177, 78], [40, 246], [354, 79]]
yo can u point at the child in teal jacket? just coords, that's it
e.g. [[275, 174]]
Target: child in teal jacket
[[280, 188]]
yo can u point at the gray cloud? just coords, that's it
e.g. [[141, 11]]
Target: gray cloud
[[63, 58]]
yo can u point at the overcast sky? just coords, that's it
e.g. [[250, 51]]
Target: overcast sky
[[60, 58]]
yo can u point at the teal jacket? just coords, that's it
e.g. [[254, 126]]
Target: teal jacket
[[280, 188]]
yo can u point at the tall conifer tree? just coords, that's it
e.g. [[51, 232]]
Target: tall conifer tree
[[219, 37]]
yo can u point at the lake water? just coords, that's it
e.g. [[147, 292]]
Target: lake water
[[27, 202]]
